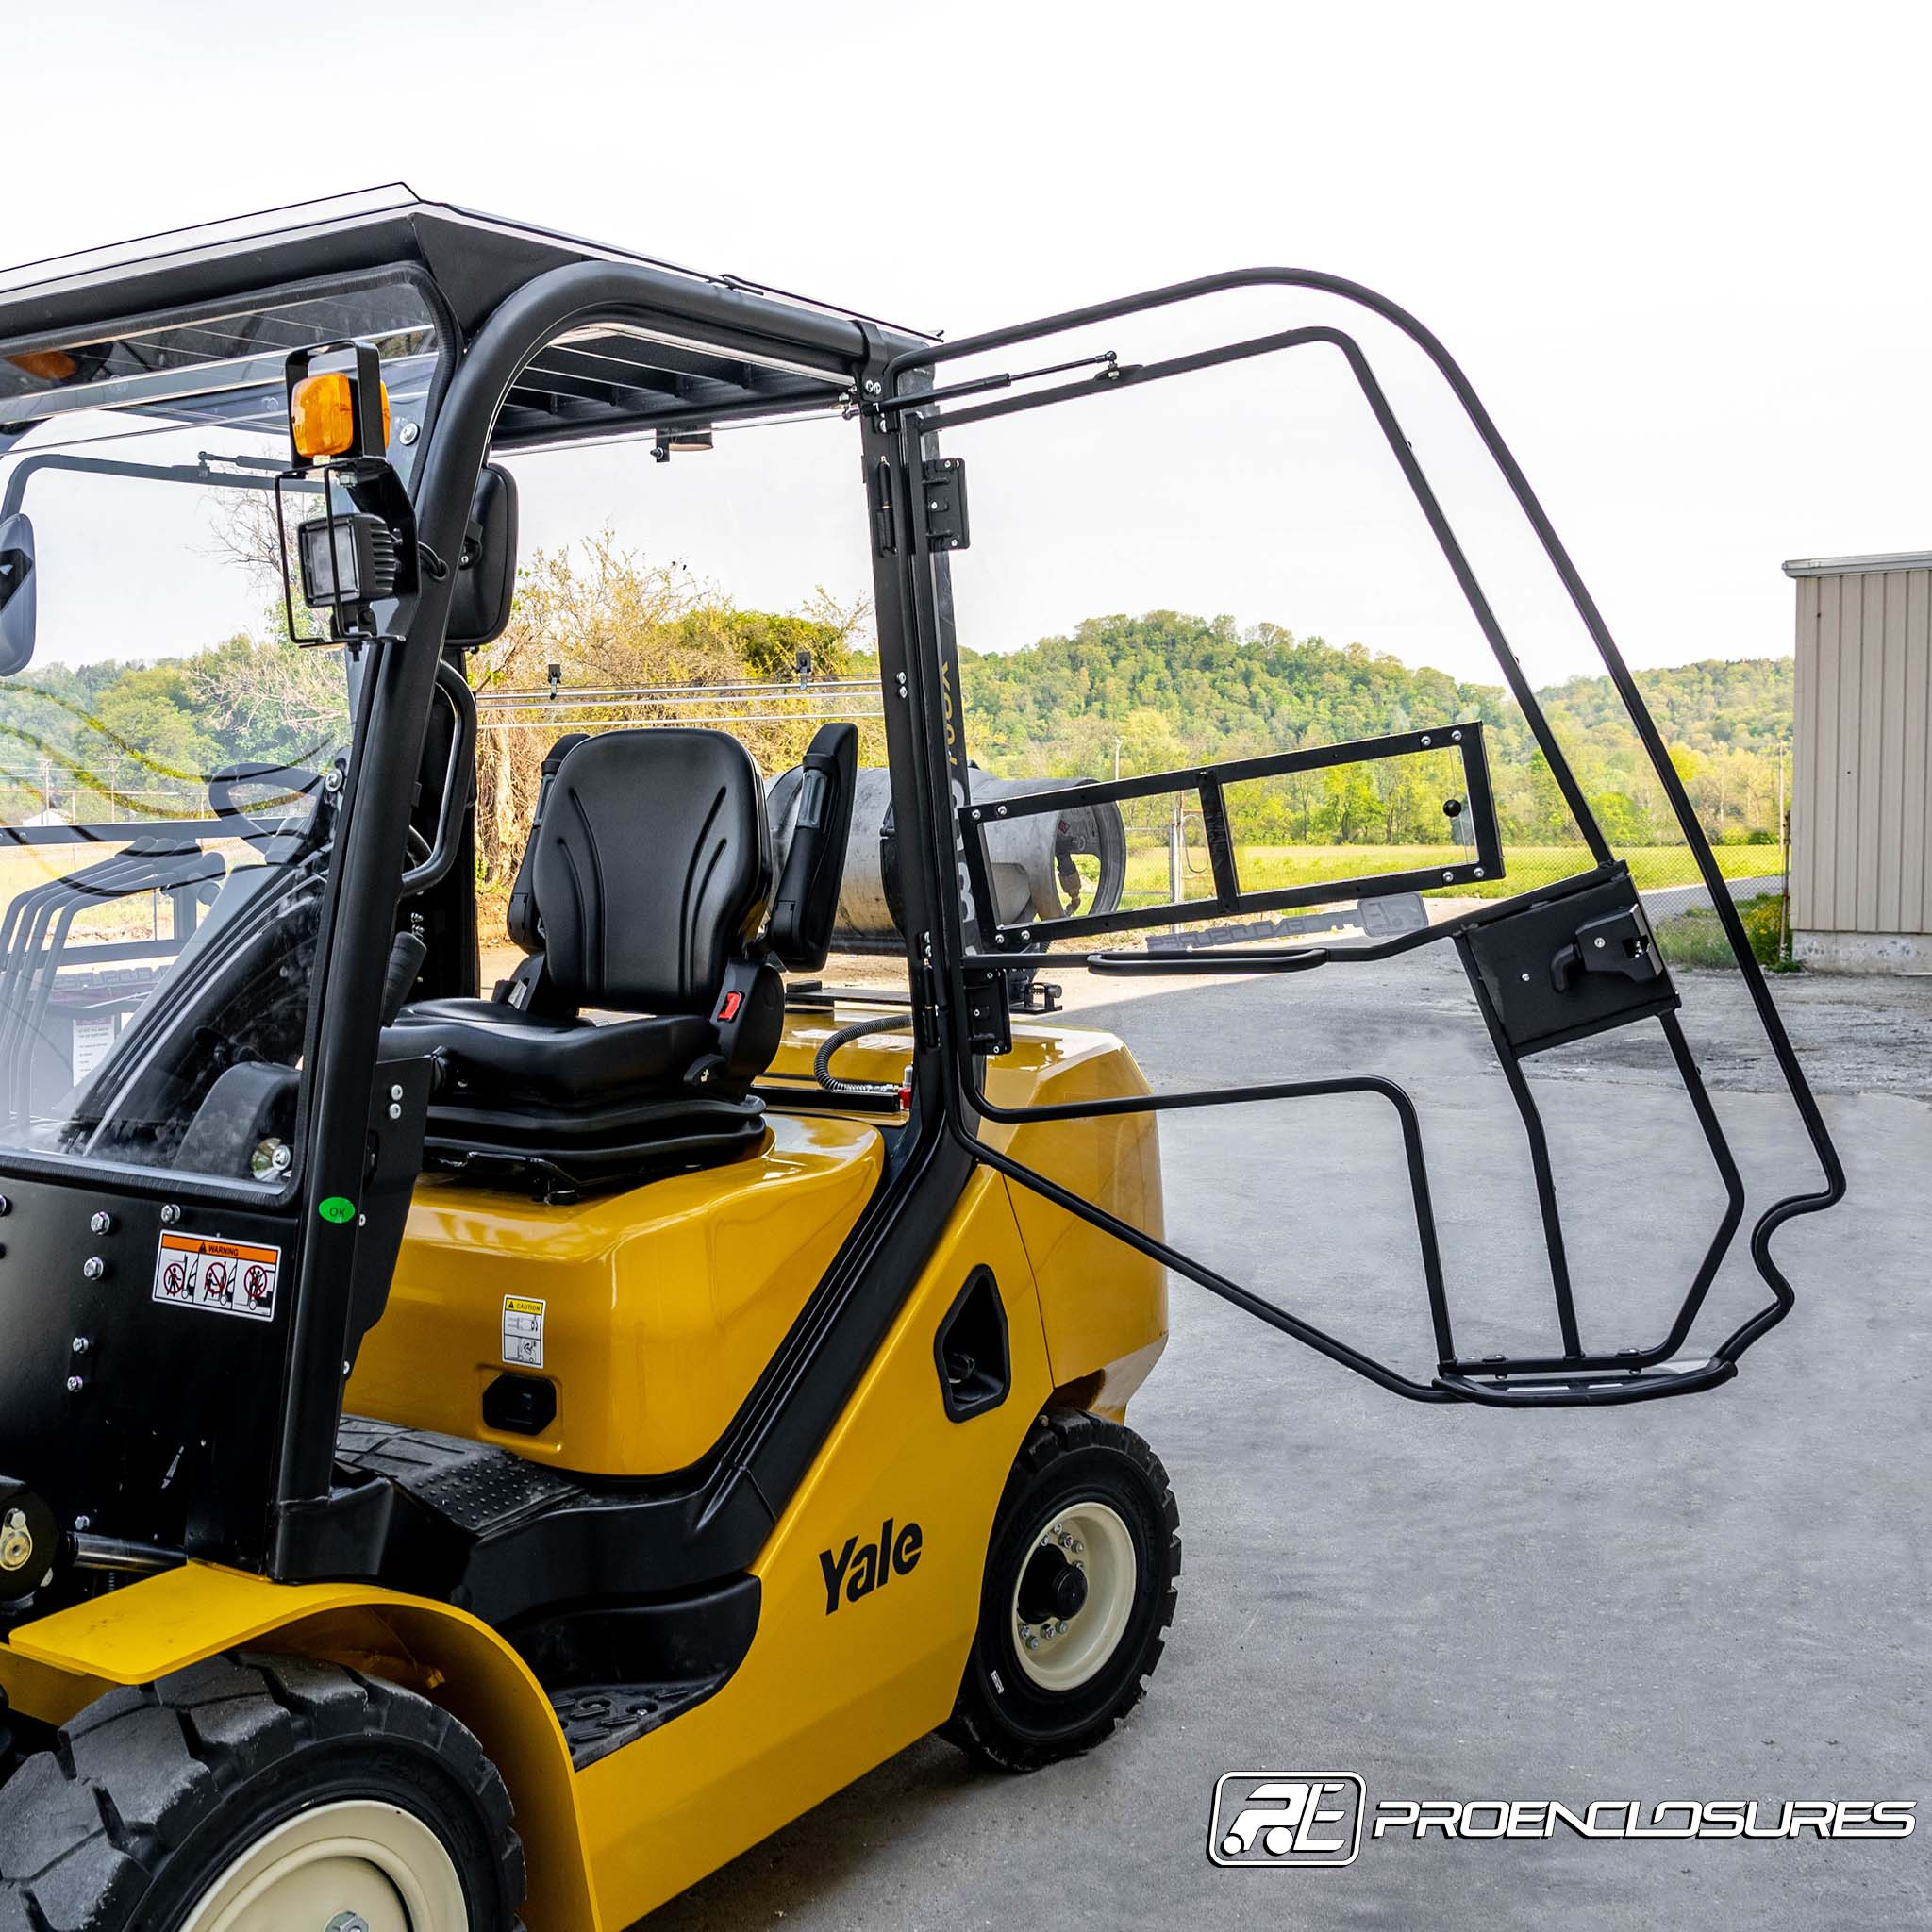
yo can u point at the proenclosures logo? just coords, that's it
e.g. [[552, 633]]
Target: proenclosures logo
[[1284, 1819]]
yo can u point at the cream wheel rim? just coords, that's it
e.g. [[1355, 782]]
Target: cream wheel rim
[[360, 1866], [1062, 1653]]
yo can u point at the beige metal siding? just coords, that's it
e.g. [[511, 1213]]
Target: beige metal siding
[[1862, 782]]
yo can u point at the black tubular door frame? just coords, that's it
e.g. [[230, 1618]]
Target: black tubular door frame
[[1209, 783], [914, 413]]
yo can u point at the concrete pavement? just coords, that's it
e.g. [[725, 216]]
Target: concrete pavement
[[1720, 1596]]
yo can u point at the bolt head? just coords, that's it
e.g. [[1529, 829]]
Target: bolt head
[[407, 434], [103, 1223], [74, 1385], [83, 1523], [170, 1214], [94, 1268], [396, 1109], [80, 1345]]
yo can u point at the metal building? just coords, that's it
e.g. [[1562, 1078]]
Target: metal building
[[1862, 774]]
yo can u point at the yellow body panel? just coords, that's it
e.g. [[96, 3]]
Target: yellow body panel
[[823, 1698], [662, 1305], [1103, 1305], [144, 1630], [679, 1293]]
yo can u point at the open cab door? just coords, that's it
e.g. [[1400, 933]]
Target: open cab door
[[1526, 900]]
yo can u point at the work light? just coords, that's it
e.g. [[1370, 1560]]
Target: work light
[[349, 559]]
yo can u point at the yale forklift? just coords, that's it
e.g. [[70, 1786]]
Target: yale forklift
[[477, 1456]]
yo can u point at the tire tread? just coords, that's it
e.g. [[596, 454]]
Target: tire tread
[[86, 1829], [974, 1726]]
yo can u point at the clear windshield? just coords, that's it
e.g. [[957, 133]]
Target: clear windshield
[[169, 755], [1168, 580]]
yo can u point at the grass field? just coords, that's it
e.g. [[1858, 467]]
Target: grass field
[[138, 915], [1272, 868]]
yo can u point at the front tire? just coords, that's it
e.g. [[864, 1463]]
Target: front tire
[[1079, 1591], [259, 1794]]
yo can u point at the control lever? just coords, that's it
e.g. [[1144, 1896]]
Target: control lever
[[405, 957]]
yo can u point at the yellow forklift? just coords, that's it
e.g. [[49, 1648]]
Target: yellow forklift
[[479, 1458]]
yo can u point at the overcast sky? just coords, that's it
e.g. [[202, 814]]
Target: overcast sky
[[1676, 248]]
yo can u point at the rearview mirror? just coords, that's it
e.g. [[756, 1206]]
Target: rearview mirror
[[17, 593], [487, 570]]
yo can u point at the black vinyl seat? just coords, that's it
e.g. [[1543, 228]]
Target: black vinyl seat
[[644, 891]]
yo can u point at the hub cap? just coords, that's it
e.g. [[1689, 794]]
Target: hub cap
[[1075, 1596], [362, 1866]]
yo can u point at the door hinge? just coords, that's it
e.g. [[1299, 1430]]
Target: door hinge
[[943, 479], [885, 530]]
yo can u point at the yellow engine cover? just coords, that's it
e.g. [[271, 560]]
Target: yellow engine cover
[[652, 1312]]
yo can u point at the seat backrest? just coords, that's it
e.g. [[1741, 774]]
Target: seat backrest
[[652, 869], [521, 922], [810, 808]]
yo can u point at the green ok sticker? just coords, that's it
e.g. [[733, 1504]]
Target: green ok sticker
[[336, 1209]]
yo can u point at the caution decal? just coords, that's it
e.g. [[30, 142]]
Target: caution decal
[[224, 1277], [522, 1332]]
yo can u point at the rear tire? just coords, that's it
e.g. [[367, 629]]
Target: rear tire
[[1087, 1496], [244, 1795]]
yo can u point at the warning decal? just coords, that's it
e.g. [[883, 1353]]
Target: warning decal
[[228, 1277], [522, 1332]]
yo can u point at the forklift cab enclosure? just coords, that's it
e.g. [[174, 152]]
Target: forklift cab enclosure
[[558, 1381]]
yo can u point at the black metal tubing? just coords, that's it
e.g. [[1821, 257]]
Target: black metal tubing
[[1209, 783], [201, 475], [1210, 965], [712, 1519], [1569, 1388], [1386, 419], [455, 688], [1216, 1283]]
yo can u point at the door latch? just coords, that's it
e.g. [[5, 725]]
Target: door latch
[[943, 480], [1618, 942]]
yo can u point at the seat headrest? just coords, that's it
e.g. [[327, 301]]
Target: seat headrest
[[652, 869], [810, 808]]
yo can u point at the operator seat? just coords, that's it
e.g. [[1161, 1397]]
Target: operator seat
[[644, 890]]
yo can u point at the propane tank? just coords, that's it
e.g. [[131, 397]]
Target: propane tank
[[1032, 859]]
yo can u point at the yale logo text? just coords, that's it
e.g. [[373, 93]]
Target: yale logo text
[[874, 1565]]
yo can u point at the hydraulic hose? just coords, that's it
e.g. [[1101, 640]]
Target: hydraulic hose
[[822, 1060]]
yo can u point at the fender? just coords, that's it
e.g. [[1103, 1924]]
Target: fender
[[58, 1666]]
